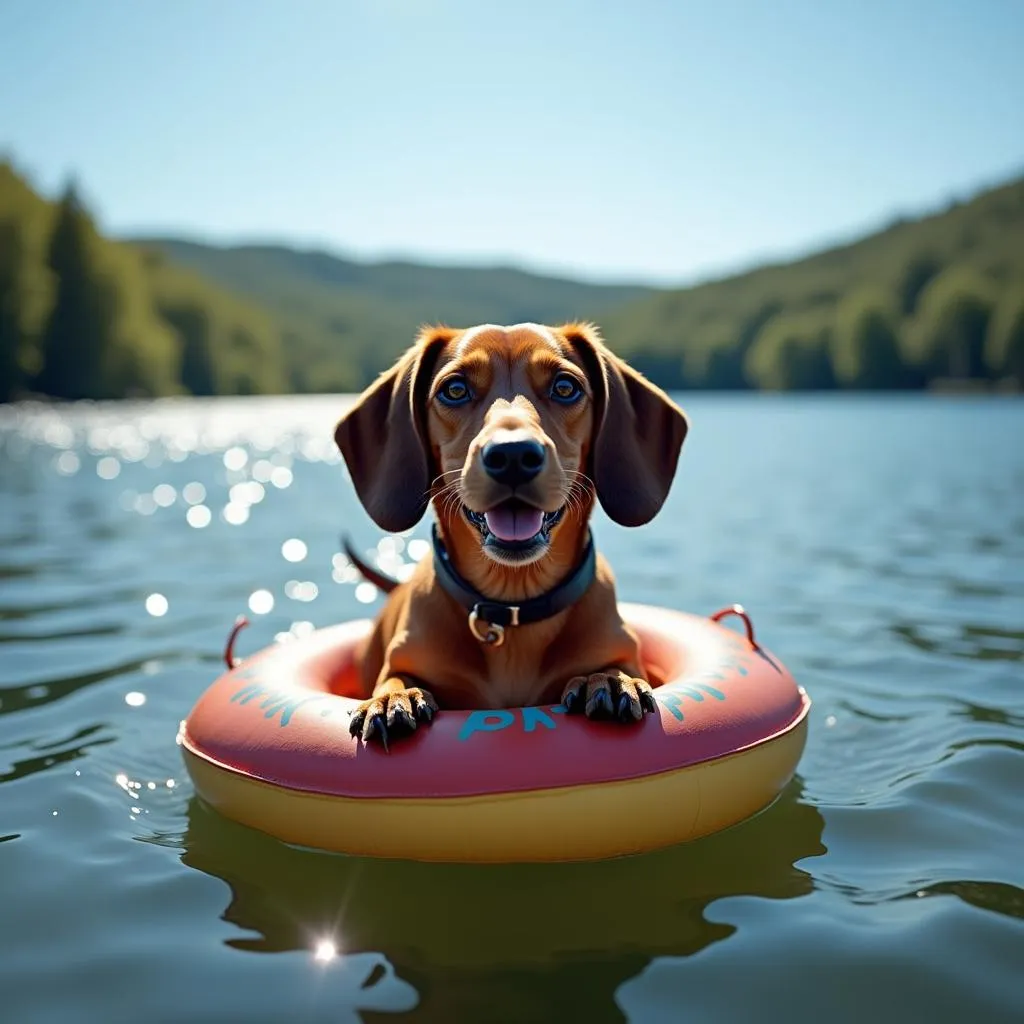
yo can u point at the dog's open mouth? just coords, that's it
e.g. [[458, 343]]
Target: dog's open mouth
[[515, 529]]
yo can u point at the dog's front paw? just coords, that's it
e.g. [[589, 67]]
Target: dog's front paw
[[610, 694], [392, 714]]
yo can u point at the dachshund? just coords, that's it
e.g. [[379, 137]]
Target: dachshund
[[511, 434]]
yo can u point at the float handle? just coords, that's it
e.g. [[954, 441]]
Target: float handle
[[739, 610], [229, 648]]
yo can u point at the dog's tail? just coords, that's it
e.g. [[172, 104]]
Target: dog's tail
[[379, 579]]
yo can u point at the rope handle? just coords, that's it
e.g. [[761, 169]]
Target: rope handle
[[741, 612], [229, 648]]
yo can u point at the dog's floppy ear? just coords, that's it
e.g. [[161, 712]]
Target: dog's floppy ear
[[638, 432], [383, 437]]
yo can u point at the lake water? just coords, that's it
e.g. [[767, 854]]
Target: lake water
[[879, 547]]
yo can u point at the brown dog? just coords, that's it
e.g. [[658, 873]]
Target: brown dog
[[512, 433]]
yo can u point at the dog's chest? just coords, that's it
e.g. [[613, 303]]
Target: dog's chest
[[519, 673]]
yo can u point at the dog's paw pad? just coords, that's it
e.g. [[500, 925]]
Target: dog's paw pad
[[609, 695], [392, 715]]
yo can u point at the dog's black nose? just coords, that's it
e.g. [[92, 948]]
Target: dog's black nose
[[514, 462]]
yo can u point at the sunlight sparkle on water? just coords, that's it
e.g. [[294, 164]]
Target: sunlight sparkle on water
[[261, 602], [135, 699], [198, 516], [281, 477], [235, 514], [135, 450], [390, 547], [145, 505], [193, 493], [235, 458], [325, 951], [417, 548], [164, 495], [67, 463], [301, 590], [365, 593], [108, 467], [157, 605], [294, 550], [248, 492]]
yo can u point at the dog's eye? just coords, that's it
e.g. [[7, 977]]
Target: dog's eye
[[566, 389], [454, 391]]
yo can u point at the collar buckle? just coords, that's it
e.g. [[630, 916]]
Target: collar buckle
[[494, 634]]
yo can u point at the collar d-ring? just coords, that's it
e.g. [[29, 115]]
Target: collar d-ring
[[494, 633]]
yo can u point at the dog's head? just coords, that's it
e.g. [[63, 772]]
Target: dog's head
[[512, 431]]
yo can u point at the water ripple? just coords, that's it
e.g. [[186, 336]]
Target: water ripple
[[879, 547]]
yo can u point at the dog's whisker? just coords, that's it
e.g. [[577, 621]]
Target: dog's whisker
[[581, 479], [575, 495], [447, 472], [449, 497]]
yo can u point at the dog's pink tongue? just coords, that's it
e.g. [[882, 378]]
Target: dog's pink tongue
[[520, 523]]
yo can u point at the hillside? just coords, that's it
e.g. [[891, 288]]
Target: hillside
[[922, 301], [86, 316], [364, 314], [938, 297], [82, 316]]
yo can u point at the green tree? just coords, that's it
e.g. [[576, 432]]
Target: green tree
[[865, 349], [12, 307], [142, 357], [1004, 344], [921, 269], [947, 338], [78, 331], [191, 321], [724, 368], [792, 353]]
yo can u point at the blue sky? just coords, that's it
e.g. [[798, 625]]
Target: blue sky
[[650, 139]]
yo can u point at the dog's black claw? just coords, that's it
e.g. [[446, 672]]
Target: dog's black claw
[[424, 712], [624, 712], [376, 727], [602, 702], [355, 725], [647, 701], [569, 700]]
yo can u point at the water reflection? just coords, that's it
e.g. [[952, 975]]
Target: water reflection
[[468, 937], [18, 698], [56, 752]]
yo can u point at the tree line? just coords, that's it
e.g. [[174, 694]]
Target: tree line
[[83, 317], [924, 302], [934, 302]]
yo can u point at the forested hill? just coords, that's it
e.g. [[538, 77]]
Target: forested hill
[[363, 314], [85, 316], [923, 301], [82, 316]]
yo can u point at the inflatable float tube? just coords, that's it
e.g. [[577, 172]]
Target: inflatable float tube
[[268, 745]]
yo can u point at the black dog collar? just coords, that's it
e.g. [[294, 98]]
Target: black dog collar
[[497, 615]]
